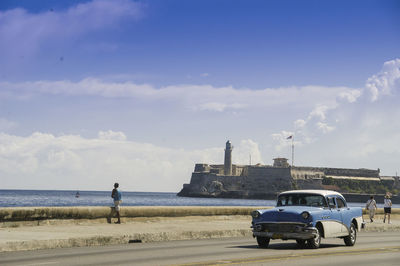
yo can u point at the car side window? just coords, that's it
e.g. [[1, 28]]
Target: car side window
[[340, 203], [331, 202]]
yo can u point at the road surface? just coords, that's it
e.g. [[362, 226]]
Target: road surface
[[372, 248]]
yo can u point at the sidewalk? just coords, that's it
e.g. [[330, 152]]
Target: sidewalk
[[76, 233]]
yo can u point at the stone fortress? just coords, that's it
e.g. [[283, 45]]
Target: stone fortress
[[266, 181]]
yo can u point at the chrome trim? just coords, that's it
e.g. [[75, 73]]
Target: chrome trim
[[305, 233], [289, 227], [299, 223]]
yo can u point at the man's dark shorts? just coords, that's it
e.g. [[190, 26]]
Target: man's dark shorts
[[388, 209]]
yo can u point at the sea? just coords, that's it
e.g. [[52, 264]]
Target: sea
[[66, 198]]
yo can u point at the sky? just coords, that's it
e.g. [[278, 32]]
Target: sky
[[138, 92]]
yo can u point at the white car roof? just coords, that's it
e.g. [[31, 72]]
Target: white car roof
[[313, 191]]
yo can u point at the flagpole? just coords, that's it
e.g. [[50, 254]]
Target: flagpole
[[292, 150]]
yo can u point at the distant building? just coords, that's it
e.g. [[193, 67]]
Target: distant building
[[265, 181]]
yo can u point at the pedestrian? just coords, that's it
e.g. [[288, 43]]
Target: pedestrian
[[387, 206], [117, 196], [371, 207]]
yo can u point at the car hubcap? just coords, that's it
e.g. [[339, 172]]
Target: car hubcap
[[317, 238], [353, 234]]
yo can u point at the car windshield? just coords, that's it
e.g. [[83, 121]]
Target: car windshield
[[301, 200]]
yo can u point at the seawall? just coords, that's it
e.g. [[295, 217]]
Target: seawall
[[16, 214], [20, 214]]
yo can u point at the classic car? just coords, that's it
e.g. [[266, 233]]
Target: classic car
[[306, 216]]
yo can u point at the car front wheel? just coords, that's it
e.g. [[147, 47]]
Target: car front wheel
[[316, 241], [263, 242], [350, 240]]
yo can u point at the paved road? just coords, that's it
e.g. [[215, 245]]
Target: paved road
[[370, 249]]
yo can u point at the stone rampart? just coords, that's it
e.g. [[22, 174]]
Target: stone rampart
[[265, 181], [351, 172]]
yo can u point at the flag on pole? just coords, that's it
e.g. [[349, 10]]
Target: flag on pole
[[290, 137]]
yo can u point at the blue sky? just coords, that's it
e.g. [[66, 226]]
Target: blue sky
[[139, 91]]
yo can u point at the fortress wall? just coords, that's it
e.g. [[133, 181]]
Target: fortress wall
[[351, 172], [234, 183], [298, 170], [358, 186], [200, 181], [306, 173], [217, 166], [260, 180], [238, 169], [201, 167], [268, 179], [308, 184]]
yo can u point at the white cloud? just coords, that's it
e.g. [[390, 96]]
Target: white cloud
[[366, 135], [324, 127], [195, 97], [45, 161], [319, 112], [282, 141], [386, 81], [111, 135], [350, 96], [220, 107], [247, 148], [299, 124]]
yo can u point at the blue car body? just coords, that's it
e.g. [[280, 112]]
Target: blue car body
[[306, 216]]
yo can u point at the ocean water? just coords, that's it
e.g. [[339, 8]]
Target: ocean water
[[53, 198], [56, 198]]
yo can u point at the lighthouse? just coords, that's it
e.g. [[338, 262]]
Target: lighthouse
[[228, 158]]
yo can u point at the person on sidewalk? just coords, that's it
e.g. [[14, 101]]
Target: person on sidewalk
[[371, 207], [387, 206], [117, 196]]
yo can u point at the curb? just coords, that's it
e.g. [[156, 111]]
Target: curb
[[123, 239], [145, 238]]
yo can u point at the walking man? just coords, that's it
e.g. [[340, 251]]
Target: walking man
[[371, 207], [117, 196], [387, 206]]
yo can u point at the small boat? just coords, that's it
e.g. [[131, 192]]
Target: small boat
[[77, 194]]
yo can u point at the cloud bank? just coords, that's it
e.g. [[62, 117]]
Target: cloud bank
[[74, 162], [353, 131]]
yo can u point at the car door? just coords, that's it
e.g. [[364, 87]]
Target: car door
[[345, 215], [333, 225]]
